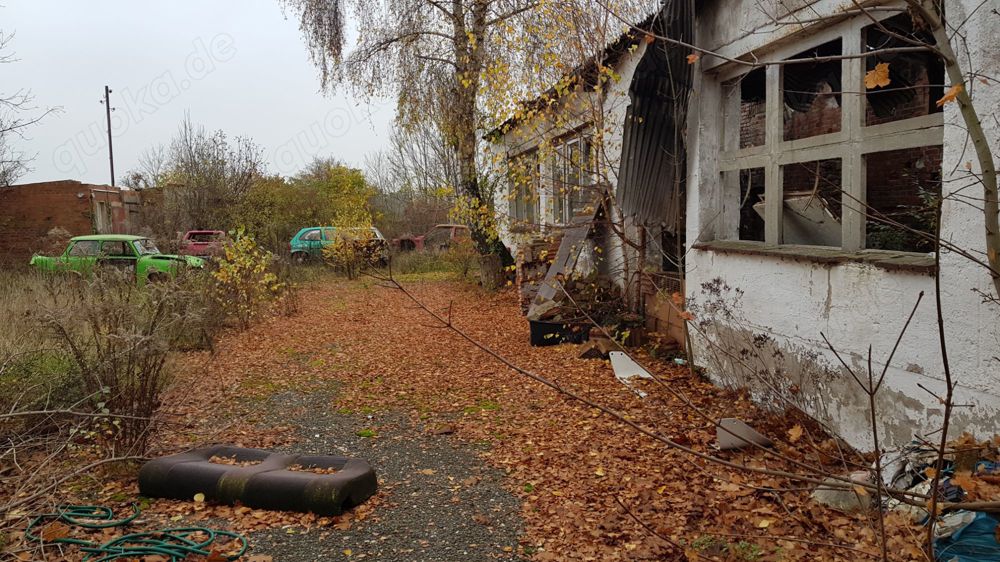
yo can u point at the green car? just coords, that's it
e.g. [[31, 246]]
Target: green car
[[309, 242], [135, 254]]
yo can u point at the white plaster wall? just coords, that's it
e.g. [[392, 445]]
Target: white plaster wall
[[580, 111], [854, 305]]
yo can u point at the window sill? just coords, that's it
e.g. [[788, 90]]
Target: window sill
[[885, 259]]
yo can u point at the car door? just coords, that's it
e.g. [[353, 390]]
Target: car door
[[118, 254], [80, 256], [312, 239]]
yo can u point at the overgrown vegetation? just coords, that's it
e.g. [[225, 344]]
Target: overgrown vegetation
[[85, 361], [245, 283]]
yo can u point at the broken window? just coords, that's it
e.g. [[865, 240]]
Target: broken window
[[811, 92], [752, 204], [85, 248], [846, 164], [903, 187], [811, 211], [572, 174], [915, 78], [746, 106], [523, 175]]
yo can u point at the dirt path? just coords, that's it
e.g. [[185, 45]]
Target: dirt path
[[437, 405]]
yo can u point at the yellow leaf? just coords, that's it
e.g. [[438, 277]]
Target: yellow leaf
[[348, 552], [199, 497], [764, 523], [795, 433], [860, 490], [693, 58], [599, 471], [950, 95], [878, 77], [930, 472]]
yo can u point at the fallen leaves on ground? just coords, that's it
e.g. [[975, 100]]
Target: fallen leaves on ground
[[569, 464]]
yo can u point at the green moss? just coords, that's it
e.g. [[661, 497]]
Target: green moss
[[231, 486], [482, 406]]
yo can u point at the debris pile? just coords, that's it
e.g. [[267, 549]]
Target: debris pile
[[969, 472]]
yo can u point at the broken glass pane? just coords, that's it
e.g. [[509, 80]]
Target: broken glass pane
[[811, 92], [902, 188]]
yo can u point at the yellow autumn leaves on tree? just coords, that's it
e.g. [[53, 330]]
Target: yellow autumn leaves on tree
[[878, 77]]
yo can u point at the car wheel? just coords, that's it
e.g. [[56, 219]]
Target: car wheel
[[157, 277], [300, 258]]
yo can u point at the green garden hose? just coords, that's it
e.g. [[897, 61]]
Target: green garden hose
[[175, 544]]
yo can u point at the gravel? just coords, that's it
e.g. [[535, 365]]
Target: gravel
[[443, 502]]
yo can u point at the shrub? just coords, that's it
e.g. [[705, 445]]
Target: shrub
[[462, 255], [245, 283], [407, 263], [118, 336]]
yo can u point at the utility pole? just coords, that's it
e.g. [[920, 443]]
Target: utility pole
[[111, 150]]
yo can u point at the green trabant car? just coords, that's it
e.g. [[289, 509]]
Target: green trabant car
[[135, 254]]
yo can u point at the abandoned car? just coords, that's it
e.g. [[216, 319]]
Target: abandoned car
[[436, 239], [203, 243], [309, 242], [135, 254]]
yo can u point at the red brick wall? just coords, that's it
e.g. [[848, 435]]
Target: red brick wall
[[29, 211]]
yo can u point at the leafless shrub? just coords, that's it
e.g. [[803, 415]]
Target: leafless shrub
[[118, 335]]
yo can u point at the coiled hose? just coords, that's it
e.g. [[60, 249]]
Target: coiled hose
[[175, 544]]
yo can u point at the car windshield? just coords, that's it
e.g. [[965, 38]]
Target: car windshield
[[145, 247]]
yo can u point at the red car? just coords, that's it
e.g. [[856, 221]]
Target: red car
[[437, 239], [203, 243]]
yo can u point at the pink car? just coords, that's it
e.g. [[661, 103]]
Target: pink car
[[203, 243]]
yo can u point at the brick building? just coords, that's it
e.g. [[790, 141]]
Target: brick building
[[29, 211]]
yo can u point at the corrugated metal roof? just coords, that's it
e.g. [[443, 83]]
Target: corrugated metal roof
[[651, 176]]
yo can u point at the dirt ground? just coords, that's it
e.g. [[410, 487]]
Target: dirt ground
[[477, 462]]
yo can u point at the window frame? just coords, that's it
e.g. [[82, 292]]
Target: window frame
[[851, 144], [563, 192], [96, 249], [524, 199]]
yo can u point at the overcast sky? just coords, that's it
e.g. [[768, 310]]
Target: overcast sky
[[235, 65]]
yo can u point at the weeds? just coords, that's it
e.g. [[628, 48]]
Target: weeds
[[118, 336], [459, 261]]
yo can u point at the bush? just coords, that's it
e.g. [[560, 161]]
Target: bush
[[462, 256], [245, 282], [457, 261], [408, 263], [118, 336]]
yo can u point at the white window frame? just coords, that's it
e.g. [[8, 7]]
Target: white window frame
[[851, 144], [518, 204], [562, 192]]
